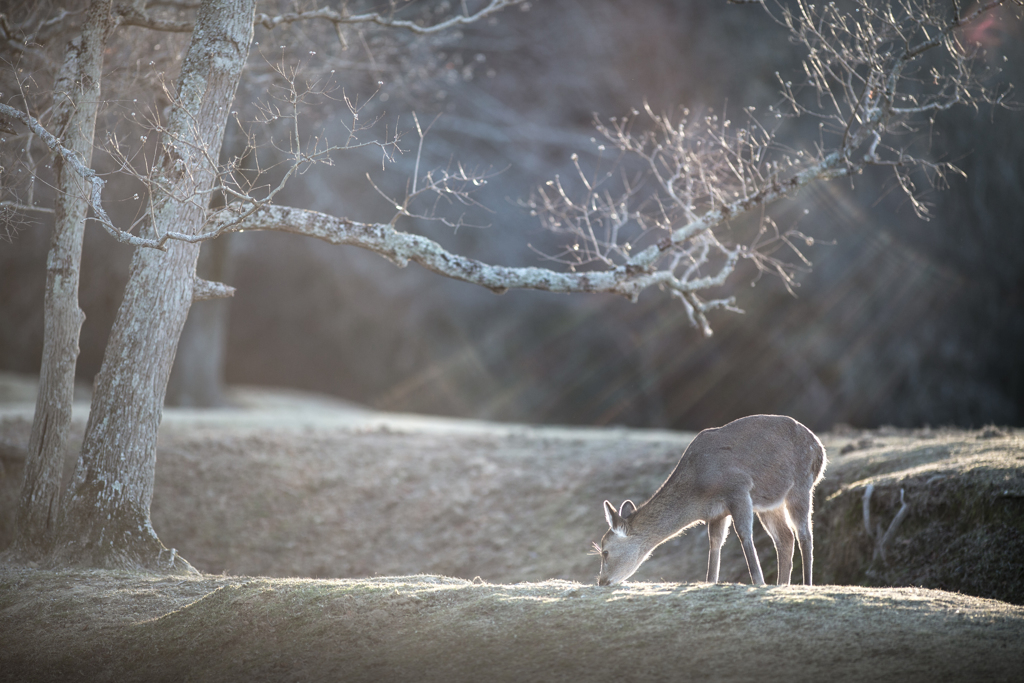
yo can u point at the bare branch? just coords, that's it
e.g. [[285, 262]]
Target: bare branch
[[884, 540], [338, 18], [16, 206], [401, 248], [866, 505], [70, 158], [135, 17], [681, 182], [204, 290]]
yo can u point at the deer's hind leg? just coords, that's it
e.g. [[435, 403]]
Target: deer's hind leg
[[742, 510], [775, 522], [718, 529], [800, 513]]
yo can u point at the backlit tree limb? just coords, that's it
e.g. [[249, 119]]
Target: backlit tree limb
[[338, 18], [136, 16], [401, 248], [681, 180]]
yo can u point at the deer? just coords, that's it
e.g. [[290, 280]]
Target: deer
[[763, 464]]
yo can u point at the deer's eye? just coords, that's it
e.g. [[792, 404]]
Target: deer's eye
[[604, 554]]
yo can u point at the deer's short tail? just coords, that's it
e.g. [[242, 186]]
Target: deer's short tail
[[820, 461]]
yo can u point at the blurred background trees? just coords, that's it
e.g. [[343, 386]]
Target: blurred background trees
[[901, 321]]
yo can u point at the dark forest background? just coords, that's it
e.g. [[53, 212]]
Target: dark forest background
[[901, 321]]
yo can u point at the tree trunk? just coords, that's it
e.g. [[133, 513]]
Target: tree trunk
[[105, 517], [80, 78], [197, 379]]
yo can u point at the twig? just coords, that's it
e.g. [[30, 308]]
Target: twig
[[868, 490], [70, 158], [890, 533], [17, 206]]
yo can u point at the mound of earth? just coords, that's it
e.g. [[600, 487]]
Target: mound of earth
[[937, 509], [110, 626]]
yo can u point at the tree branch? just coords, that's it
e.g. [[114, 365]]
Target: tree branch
[[400, 248], [70, 158], [338, 18], [134, 16], [17, 206], [203, 290], [885, 539]]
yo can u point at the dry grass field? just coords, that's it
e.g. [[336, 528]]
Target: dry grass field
[[337, 543]]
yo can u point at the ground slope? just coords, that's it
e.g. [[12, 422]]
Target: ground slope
[[455, 513], [120, 627]]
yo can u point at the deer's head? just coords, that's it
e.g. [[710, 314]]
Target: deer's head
[[622, 550]]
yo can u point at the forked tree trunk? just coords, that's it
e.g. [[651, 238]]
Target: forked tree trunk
[[79, 79], [105, 516]]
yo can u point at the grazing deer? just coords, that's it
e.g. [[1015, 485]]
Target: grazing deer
[[768, 464]]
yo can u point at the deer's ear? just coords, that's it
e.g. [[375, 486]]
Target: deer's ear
[[614, 521], [627, 509]]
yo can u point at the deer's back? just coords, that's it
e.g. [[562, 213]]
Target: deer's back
[[770, 454]]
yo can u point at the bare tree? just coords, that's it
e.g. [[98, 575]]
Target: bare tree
[[75, 108], [104, 518], [677, 202]]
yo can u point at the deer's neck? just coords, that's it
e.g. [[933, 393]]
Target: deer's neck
[[668, 512]]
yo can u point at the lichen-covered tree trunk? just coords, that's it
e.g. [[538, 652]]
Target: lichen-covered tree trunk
[[104, 519], [78, 84]]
